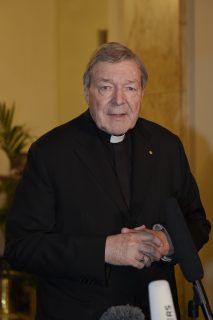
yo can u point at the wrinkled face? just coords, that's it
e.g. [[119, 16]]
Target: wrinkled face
[[114, 96]]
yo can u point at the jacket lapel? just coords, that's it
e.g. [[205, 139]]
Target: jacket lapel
[[91, 152]]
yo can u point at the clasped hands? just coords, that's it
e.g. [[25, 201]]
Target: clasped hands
[[137, 247]]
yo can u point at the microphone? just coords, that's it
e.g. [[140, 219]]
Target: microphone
[[126, 312], [185, 249], [160, 301], [186, 252]]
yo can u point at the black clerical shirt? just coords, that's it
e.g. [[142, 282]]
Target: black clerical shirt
[[120, 156]]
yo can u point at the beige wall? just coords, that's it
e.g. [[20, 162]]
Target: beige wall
[[28, 66], [28, 61], [79, 22], [152, 30]]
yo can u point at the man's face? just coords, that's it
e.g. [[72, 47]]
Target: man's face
[[114, 96]]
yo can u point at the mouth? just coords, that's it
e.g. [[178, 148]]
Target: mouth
[[117, 115]]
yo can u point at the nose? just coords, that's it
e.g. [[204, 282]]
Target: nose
[[118, 96]]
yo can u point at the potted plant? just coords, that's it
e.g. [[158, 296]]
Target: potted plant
[[13, 141]]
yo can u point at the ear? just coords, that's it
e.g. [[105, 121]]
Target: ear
[[86, 94], [142, 95]]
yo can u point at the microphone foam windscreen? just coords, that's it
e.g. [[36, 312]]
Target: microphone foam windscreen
[[125, 312], [184, 247]]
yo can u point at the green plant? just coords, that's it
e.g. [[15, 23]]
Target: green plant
[[13, 140]]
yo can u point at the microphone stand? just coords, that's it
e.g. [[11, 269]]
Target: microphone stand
[[200, 299], [193, 308]]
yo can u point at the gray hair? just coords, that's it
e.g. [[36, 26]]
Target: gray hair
[[113, 52], [123, 313]]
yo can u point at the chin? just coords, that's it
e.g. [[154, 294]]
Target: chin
[[121, 130], [117, 129], [117, 132]]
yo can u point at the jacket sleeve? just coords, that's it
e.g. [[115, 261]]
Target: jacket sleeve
[[33, 243]]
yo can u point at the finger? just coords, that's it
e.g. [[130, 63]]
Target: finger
[[142, 236], [159, 234], [149, 237], [140, 228], [165, 246], [126, 230], [139, 264], [147, 261], [151, 251], [144, 260]]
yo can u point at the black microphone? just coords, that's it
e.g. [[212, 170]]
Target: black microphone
[[125, 312], [185, 249], [186, 252]]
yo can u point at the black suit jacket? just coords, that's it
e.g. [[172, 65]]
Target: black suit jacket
[[69, 201]]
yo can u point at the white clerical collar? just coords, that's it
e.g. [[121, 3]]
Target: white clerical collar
[[117, 139]]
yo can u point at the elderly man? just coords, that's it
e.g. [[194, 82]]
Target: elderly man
[[84, 215]]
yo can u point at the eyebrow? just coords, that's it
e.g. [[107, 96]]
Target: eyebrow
[[110, 80], [105, 80]]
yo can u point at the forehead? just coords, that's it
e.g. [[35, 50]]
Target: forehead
[[123, 70]]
